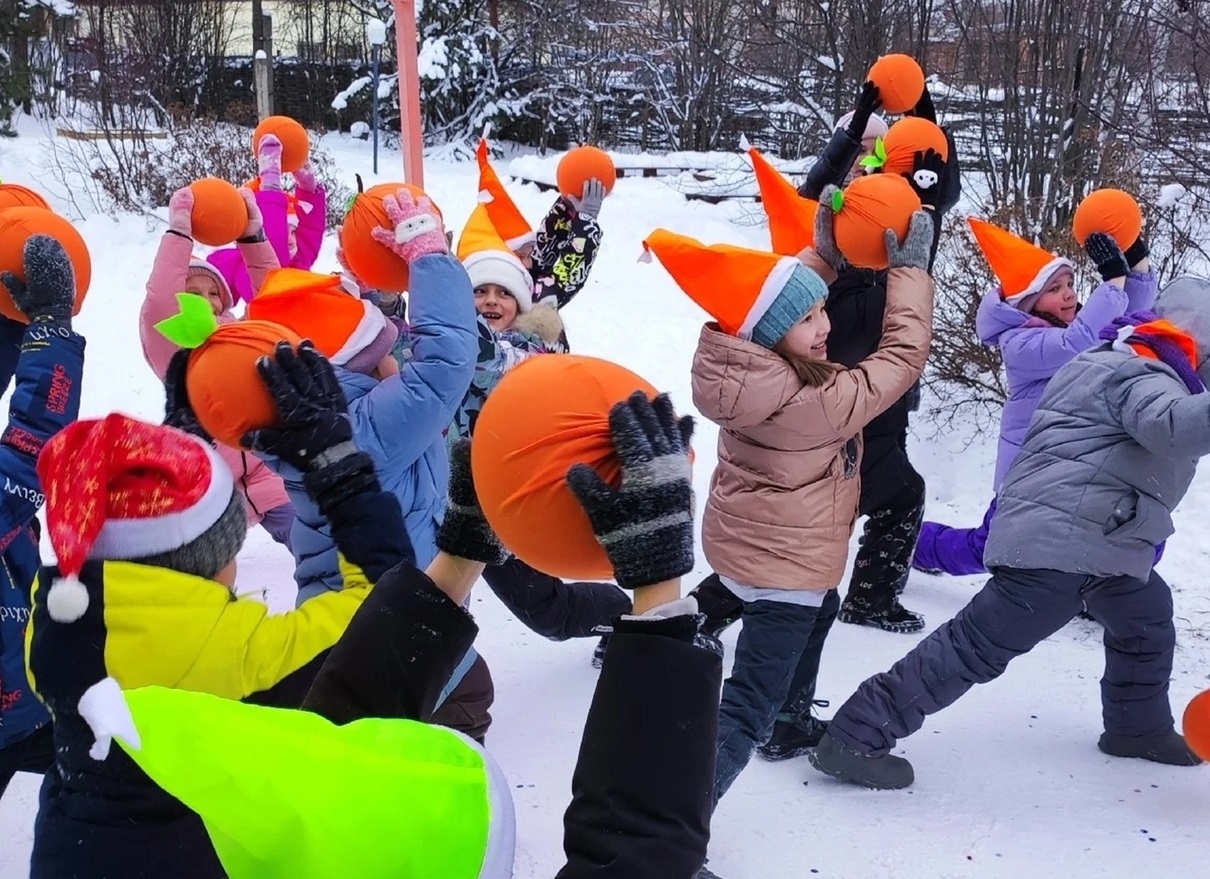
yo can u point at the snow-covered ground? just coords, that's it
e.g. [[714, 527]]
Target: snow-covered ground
[[1010, 782]]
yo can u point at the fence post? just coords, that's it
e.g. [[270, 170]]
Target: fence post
[[262, 70]]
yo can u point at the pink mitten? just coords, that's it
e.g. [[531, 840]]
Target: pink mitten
[[256, 222], [418, 231], [305, 178], [180, 212], [268, 158]]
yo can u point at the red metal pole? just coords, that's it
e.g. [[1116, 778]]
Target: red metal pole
[[410, 129]]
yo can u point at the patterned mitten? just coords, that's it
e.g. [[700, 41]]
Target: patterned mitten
[[305, 178], [464, 531], [646, 526], [1108, 257], [417, 227], [268, 160]]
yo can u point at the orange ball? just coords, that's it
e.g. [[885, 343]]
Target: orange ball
[[219, 213], [373, 264], [582, 164], [520, 464], [1196, 725], [1110, 211], [17, 225], [295, 142], [14, 195], [900, 82], [872, 204], [909, 136], [222, 383]]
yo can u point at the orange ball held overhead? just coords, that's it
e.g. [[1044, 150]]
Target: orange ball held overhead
[[219, 213], [1196, 725], [373, 264], [295, 142], [1111, 211], [520, 464], [18, 225], [907, 137], [14, 195], [224, 388], [582, 164], [900, 82], [865, 210]]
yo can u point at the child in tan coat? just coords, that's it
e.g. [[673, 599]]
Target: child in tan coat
[[783, 498]]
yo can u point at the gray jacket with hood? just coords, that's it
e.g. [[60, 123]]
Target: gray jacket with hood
[[1109, 454]]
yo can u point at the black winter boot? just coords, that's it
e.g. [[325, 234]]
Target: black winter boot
[[791, 740], [893, 618], [598, 652], [1170, 749], [844, 764]]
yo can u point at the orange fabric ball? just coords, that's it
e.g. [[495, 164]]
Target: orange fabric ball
[[373, 264], [219, 214], [909, 136], [1196, 725], [295, 142], [900, 82], [582, 164], [872, 204], [17, 225], [224, 388], [546, 415], [1111, 211], [14, 195]]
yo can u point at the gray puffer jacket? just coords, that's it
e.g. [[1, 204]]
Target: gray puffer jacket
[[1109, 454]]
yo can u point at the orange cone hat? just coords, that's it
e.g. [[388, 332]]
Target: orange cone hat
[[1021, 268], [505, 215], [489, 260], [791, 217], [754, 295]]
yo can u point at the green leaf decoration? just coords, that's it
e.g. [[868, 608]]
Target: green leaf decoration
[[878, 158], [837, 201], [192, 325]]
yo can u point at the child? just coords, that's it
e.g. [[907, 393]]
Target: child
[[146, 524], [1033, 316], [294, 223], [783, 498], [47, 358], [1090, 493], [177, 269]]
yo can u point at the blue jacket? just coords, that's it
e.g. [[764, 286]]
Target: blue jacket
[[399, 422], [49, 369]]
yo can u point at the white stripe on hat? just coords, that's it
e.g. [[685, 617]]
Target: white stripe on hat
[[371, 324], [769, 291], [1044, 274]]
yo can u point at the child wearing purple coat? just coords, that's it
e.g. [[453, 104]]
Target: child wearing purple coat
[[1039, 326]]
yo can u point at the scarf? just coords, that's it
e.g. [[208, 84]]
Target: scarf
[[1145, 334]]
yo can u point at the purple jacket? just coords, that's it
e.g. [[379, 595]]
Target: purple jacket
[[1034, 350]]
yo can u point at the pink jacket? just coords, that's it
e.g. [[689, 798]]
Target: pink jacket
[[312, 222], [263, 489]]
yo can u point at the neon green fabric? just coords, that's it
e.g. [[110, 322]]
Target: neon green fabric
[[288, 795]]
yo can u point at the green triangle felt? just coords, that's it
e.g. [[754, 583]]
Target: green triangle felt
[[192, 325]]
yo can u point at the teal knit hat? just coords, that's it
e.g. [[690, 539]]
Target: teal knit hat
[[802, 289]]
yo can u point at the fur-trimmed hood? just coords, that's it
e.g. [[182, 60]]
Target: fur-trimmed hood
[[542, 321]]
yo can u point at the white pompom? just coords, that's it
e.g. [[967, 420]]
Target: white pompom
[[67, 599]]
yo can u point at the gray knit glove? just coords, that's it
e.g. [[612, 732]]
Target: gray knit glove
[[646, 526], [825, 239], [917, 244], [590, 201], [464, 531], [48, 292]]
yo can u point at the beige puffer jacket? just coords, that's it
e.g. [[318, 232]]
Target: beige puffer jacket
[[783, 498]]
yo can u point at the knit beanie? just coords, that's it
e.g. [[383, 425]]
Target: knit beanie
[[754, 295], [488, 260], [199, 266], [349, 331], [118, 488], [876, 127]]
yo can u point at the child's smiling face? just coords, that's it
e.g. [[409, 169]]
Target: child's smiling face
[[1058, 297]]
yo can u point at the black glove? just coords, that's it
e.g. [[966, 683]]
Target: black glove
[[924, 108], [927, 169], [1108, 257], [1137, 252], [178, 411], [464, 531], [867, 103], [49, 290], [646, 526]]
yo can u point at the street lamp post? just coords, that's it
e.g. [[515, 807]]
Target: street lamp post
[[376, 34]]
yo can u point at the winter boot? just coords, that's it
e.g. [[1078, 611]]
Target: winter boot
[[791, 740], [844, 764], [706, 873], [895, 618], [707, 641], [1170, 749], [598, 653]]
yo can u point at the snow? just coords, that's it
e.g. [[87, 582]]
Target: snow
[[1009, 780], [376, 32], [1170, 194]]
